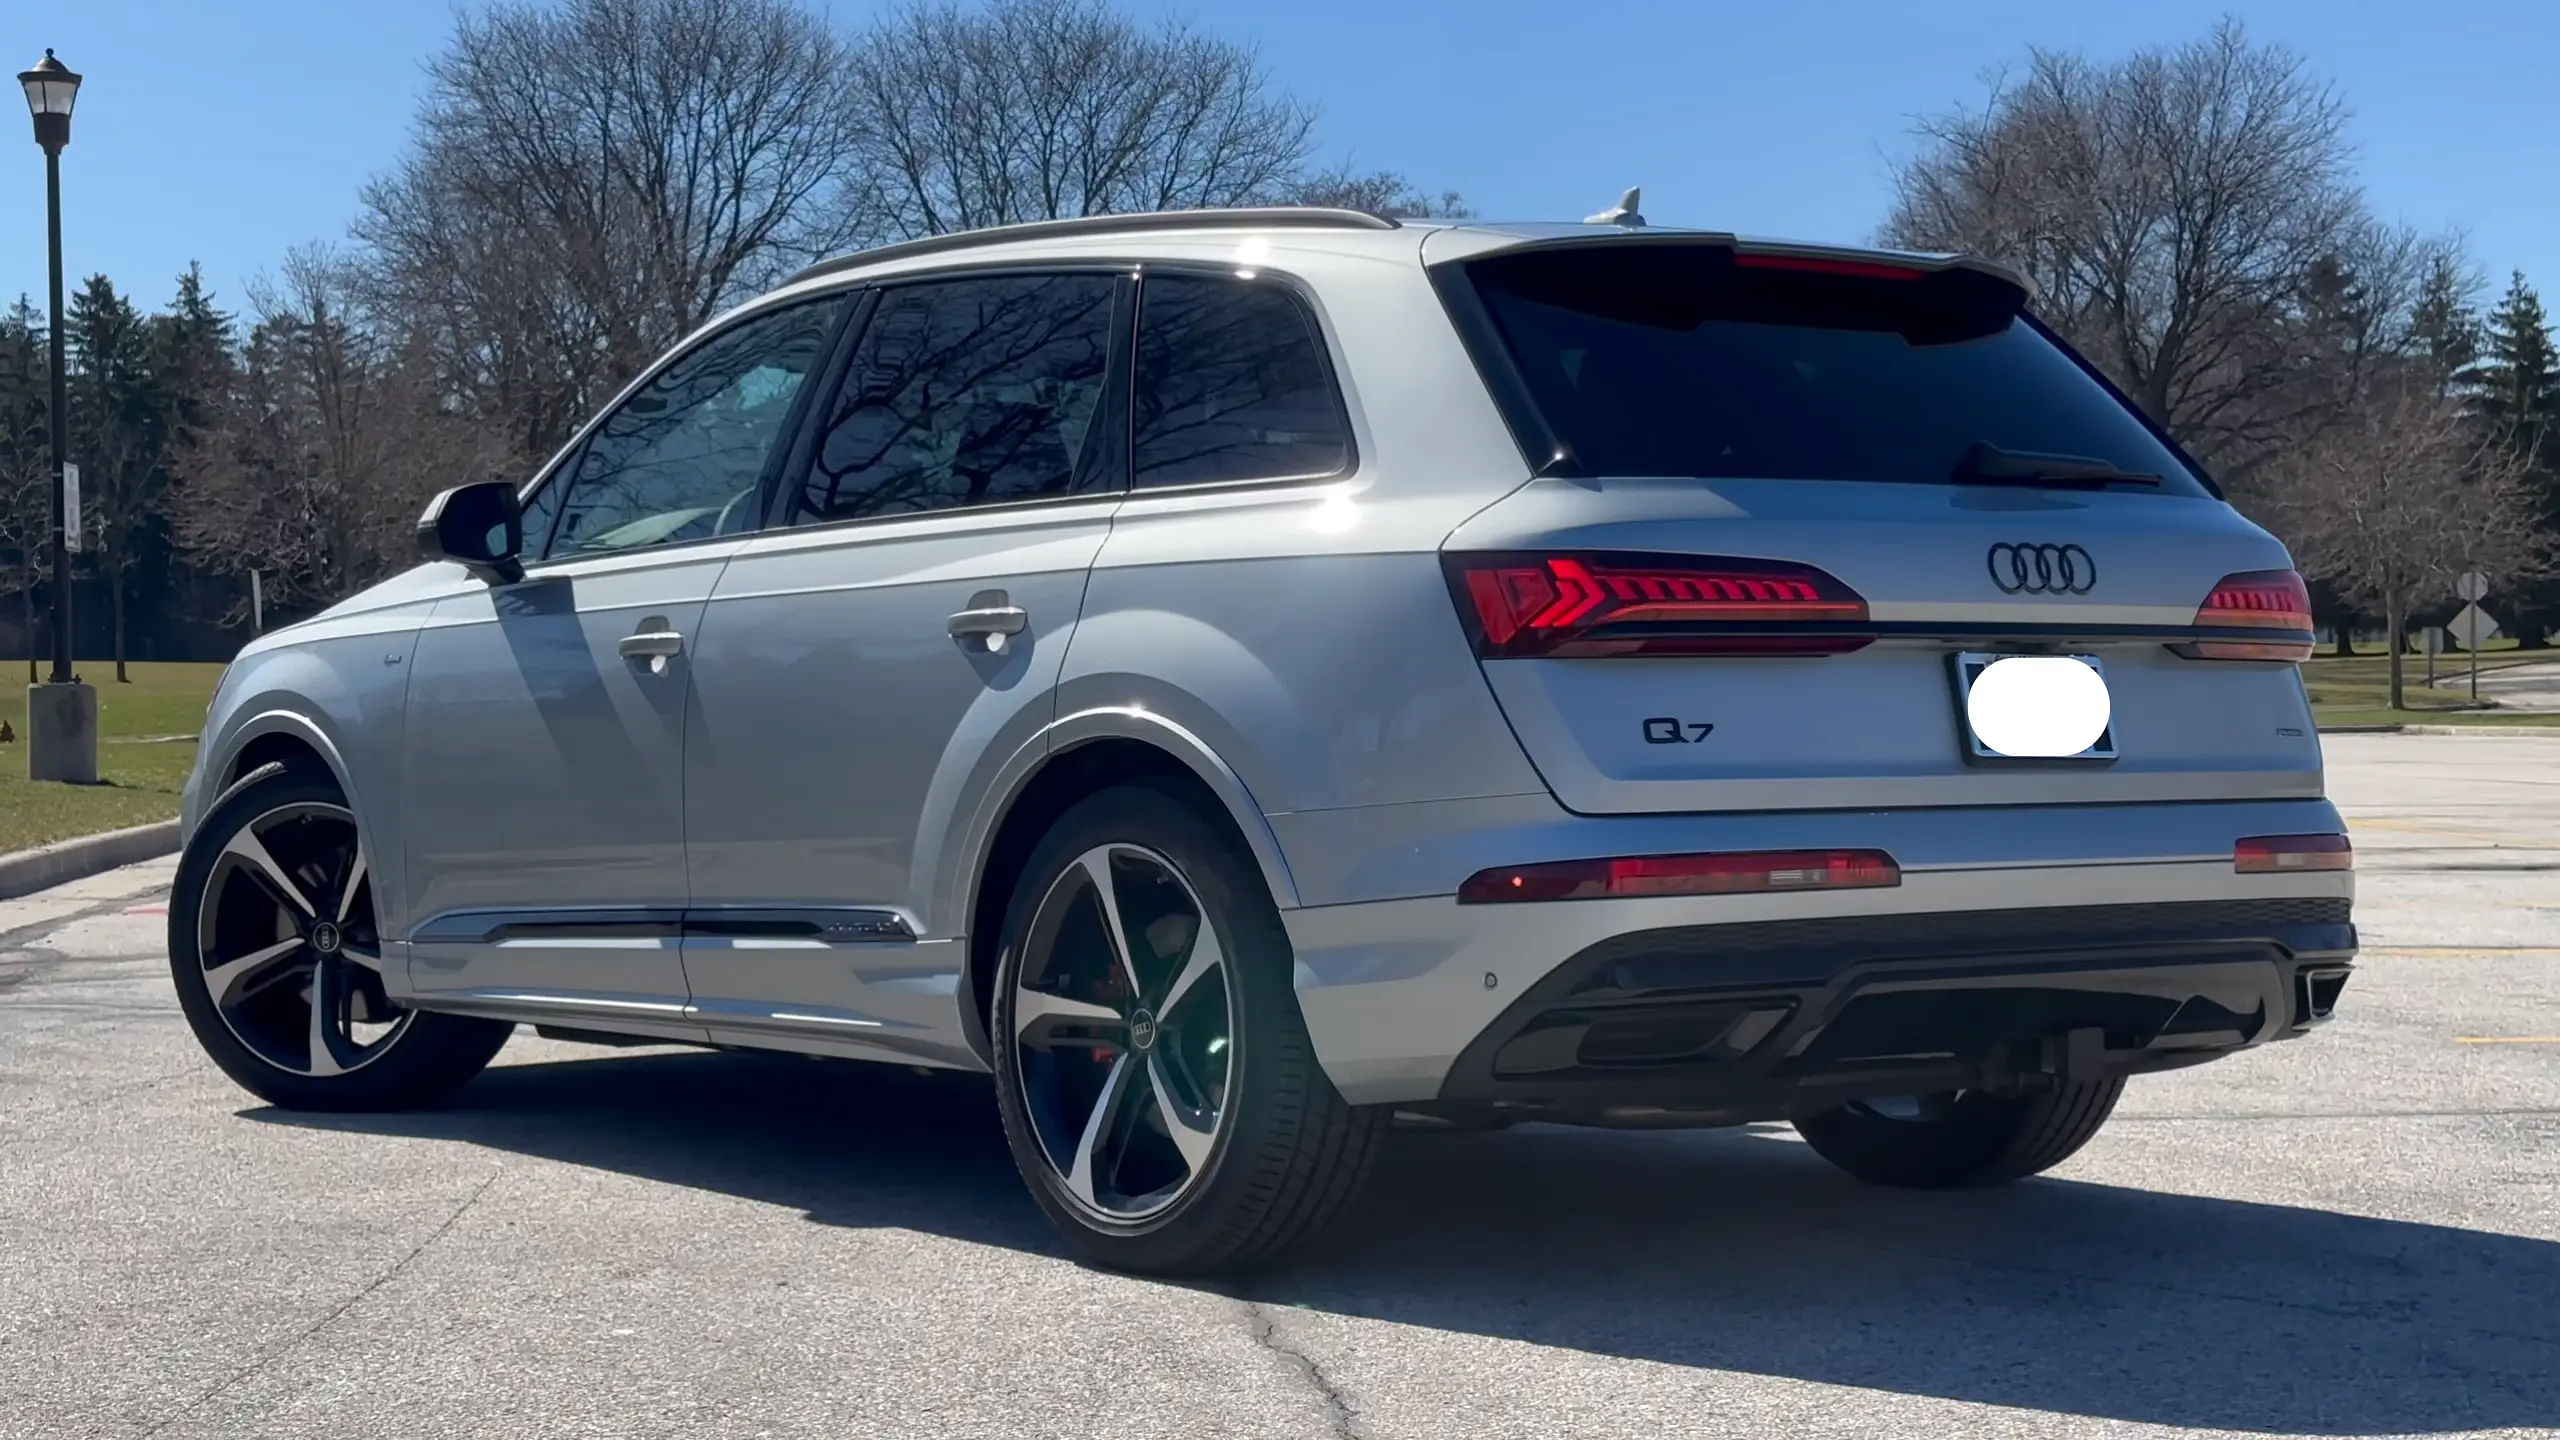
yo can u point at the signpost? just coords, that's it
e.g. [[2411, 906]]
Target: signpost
[[2473, 624], [71, 508]]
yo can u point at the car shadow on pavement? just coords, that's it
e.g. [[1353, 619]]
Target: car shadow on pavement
[[1731, 1250]]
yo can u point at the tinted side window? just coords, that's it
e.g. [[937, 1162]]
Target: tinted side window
[[1232, 385], [682, 458], [965, 392]]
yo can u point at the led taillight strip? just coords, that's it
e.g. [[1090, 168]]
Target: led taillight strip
[[1744, 872], [2275, 603], [1568, 605]]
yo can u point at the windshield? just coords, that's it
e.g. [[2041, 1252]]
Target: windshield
[[1673, 360]]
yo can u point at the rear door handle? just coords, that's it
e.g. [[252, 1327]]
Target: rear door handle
[[991, 617]]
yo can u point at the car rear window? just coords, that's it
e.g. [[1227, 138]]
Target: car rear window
[[1672, 360]]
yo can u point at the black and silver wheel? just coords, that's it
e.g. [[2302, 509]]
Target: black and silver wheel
[[1158, 1089], [278, 963], [1961, 1137]]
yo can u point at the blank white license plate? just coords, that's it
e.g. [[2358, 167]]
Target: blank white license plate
[[2025, 709]]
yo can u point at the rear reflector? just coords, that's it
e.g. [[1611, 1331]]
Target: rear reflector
[[2274, 604], [1737, 873], [2279, 854], [1583, 605]]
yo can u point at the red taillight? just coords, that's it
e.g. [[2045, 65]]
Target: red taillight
[[2274, 603], [1586, 605], [1737, 873], [1824, 265], [2281, 854]]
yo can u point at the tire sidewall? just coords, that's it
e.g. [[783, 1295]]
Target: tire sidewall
[[430, 1055], [1215, 1214]]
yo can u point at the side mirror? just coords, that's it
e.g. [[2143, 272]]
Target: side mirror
[[481, 526]]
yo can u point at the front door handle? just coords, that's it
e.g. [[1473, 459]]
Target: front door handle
[[991, 617], [655, 641]]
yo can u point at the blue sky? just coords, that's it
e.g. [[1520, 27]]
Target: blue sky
[[226, 131]]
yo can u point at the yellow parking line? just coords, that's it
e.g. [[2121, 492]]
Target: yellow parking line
[[2506, 1039]]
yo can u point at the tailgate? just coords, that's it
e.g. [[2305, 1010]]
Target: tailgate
[[1884, 725]]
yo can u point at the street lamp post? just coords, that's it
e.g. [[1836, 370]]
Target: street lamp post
[[62, 714]]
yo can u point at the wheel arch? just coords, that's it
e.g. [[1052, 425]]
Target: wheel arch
[[1077, 756]]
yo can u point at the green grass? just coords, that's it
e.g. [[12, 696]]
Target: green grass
[[2356, 689], [140, 776]]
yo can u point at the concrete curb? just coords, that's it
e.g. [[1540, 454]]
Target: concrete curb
[[28, 871]]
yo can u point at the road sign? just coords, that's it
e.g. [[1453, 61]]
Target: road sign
[[2472, 627], [2472, 585], [71, 507]]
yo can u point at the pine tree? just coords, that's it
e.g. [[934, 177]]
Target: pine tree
[[26, 460], [2514, 388], [2442, 325], [117, 428]]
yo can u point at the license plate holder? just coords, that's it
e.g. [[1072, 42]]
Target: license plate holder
[[1967, 666]]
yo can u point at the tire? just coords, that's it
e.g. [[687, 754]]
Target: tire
[[232, 924], [1963, 1139], [1282, 1154]]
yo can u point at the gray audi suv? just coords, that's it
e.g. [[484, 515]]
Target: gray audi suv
[[1247, 679]]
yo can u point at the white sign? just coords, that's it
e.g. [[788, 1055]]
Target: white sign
[[2472, 628], [71, 507], [2472, 586]]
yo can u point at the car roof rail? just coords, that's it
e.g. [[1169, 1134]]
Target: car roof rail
[[1249, 217]]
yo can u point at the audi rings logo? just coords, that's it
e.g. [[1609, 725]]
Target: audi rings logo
[[2042, 569]]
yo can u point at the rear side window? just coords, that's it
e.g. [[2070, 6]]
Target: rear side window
[[966, 392], [1671, 360], [1232, 385]]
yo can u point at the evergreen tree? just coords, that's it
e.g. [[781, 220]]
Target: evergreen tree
[[2442, 325], [2514, 388], [2515, 385], [26, 461], [118, 424]]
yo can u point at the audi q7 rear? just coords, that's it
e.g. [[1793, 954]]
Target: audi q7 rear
[[1240, 677]]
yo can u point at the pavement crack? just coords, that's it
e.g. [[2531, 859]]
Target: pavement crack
[[274, 1352], [1266, 1333]]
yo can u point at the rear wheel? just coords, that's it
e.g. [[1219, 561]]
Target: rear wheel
[[1962, 1137], [1158, 1089], [278, 963]]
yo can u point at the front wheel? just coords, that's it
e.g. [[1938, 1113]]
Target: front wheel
[[1158, 1088], [1963, 1137], [278, 963]]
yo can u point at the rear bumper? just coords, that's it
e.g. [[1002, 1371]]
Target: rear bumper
[[1419, 1001], [1746, 1022]]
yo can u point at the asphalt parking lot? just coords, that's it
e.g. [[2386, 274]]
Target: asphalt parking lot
[[2354, 1235]]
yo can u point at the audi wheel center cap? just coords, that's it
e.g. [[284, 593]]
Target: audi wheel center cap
[[325, 938], [1142, 1030]]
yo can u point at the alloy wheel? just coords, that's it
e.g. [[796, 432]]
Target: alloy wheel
[[1124, 1032], [286, 934]]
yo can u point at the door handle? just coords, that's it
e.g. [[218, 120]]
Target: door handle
[[991, 617], [655, 641]]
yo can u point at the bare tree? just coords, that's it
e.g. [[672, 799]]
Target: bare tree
[[2400, 495], [1380, 192], [1041, 109], [590, 181], [2171, 207], [336, 432]]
